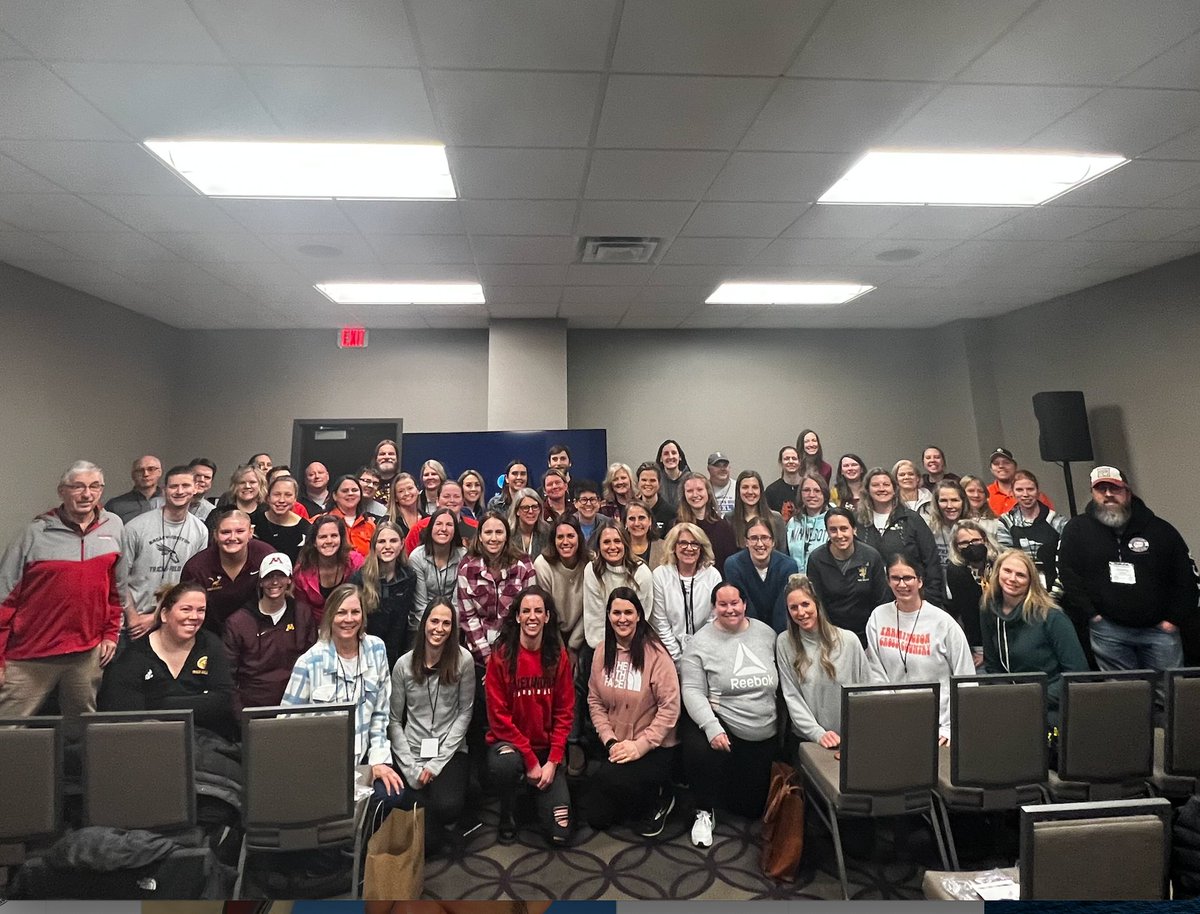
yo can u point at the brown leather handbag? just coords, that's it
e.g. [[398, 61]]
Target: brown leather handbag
[[783, 824]]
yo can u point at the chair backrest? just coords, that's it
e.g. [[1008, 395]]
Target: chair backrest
[[999, 727], [1181, 754], [298, 768], [1107, 729], [889, 738], [31, 772], [139, 769], [1116, 850]]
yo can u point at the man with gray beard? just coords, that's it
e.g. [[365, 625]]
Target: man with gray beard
[[1125, 577]]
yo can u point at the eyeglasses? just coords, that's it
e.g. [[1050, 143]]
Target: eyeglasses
[[758, 540], [587, 500], [529, 508], [78, 488], [687, 544], [974, 542], [902, 579]]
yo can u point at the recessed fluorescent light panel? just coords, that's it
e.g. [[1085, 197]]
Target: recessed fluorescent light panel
[[967, 178], [786, 293], [402, 293], [349, 171]]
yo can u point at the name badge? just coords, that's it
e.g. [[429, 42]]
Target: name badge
[[1121, 573], [429, 747]]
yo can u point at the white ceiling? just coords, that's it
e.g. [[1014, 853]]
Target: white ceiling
[[711, 123]]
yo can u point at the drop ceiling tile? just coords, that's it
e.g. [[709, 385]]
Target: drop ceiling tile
[[633, 219], [517, 173], [519, 217], [289, 216], [165, 214], [1053, 222], [17, 179], [1125, 121], [690, 276], [903, 39], [24, 246], [523, 274], [681, 112], [111, 246], [606, 276], [523, 248], [599, 295], [269, 280], [1176, 68], [805, 251], [701, 251], [593, 320], [168, 278], [157, 30], [975, 117], [954, 222], [54, 213], [649, 317], [158, 100], [234, 246], [346, 103], [315, 270], [594, 309], [401, 249], [750, 37], [1145, 225], [756, 220], [10, 50], [36, 105], [868, 253], [719, 317], [680, 296], [1090, 42], [812, 115], [533, 296], [833, 221], [1134, 257], [776, 176], [313, 32], [522, 310], [514, 34], [335, 249], [641, 174], [387, 217], [787, 317], [493, 108], [1140, 183], [95, 168], [71, 272], [1185, 146]]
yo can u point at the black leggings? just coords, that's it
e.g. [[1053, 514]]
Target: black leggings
[[507, 769], [442, 799], [736, 780], [619, 793]]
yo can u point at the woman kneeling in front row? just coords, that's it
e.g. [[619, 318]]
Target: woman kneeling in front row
[[633, 696], [530, 707]]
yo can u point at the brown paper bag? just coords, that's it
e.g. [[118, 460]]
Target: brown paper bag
[[783, 824], [396, 857]]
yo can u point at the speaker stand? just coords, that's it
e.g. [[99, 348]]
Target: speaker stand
[[1066, 465]]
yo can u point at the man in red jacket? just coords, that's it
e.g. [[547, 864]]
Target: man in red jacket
[[61, 610]]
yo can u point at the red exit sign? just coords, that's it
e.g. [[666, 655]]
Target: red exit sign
[[352, 338]]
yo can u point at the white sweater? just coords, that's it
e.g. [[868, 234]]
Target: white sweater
[[595, 597], [670, 605]]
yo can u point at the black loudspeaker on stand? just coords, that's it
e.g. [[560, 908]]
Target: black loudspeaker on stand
[[1063, 433]]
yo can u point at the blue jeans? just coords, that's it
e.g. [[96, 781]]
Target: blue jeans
[[1120, 647]]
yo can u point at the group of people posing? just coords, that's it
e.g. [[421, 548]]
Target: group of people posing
[[637, 631]]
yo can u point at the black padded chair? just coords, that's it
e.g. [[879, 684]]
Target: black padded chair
[[31, 770], [298, 781], [1106, 737], [888, 760], [998, 758], [1117, 850], [1177, 746]]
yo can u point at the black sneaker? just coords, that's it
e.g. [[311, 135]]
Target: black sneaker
[[507, 833], [652, 825]]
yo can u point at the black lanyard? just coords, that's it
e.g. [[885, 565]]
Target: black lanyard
[[689, 605]]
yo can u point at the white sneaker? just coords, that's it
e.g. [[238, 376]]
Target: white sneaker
[[702, 829]]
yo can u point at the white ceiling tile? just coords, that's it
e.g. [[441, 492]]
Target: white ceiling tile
[[165, 214], [785, 317], [633, 219], [1176, 68], [346, 103], [867, 253], [420, 248], [158, 100], [523, 274], [234, 246], [10, 50], [718, 317], [678, 296], [313, 32], [594, 309], [514, 34], [1145, 225], [17, 179], [454, 317], [517, 173], [95, 168], [1188, 199], [288, 216], [25, 246], [924, 222], [313, 270], [985, 116], [36, 105], [1185, 146], [1191, 235], [1125, 121], [810, 114], [903, 39], [774, 176], [1053, 222], [170, 278], [523, 248], [517, 295], [599, 295], [72, 272], [656, 316], [806, 251], [593, 320], [640, 174], [394, 217], [1140, 183], [494, 108], [326, 250], [115, 246], [607, 275], [519, 217], [690, 276], [54, 213], [757, 220], [265, 279], [522, 310], [833, 221], [750, 37], [681, 112], [157, 30], [1091, 42], [700, 251]]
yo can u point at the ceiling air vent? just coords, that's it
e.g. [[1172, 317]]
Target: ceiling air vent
[[606, 249]]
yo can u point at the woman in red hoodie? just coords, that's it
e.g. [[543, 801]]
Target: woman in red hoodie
[[530, 707]]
